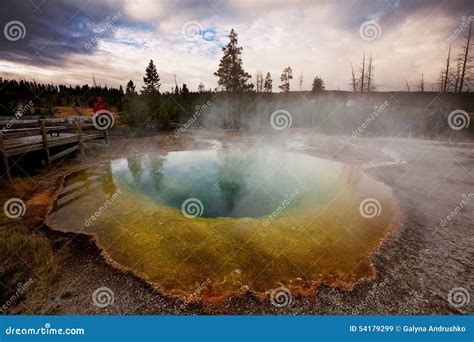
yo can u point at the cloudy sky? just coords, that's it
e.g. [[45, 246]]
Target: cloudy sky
[[68, 41]]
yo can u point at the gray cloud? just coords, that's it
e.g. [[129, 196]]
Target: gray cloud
[[58, 28], [59, 41], [393, 12], [54, 29]]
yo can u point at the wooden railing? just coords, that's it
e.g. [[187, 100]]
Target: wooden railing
[[24, 135]]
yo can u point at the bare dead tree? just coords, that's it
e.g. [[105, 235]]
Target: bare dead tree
[[440, 84], [465, 60], [447, 71], [362, 77], [259, 82], [422, 84], [370, 76], [457, 75], [301, 79], [354, 81]]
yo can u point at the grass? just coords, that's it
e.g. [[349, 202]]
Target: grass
[[25, 258]]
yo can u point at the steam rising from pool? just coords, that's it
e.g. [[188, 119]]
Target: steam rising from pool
[[236, 220]]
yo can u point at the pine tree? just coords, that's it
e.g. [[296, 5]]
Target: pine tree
[[231, 74], [185, 90], [201, 88], [318, 84], [151, 80], [285, 78], [130, 88], [267, 87]]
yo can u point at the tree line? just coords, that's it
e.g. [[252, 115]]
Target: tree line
[[151, 107], [457, 78], [47, 97]]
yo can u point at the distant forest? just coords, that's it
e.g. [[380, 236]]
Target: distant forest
[[238, 103]]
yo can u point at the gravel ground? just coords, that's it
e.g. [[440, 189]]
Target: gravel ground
[[417, 266]]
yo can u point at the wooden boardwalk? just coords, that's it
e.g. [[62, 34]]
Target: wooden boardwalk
[[19, 136]]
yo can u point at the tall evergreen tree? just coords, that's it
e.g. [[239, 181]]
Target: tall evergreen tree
[[231, 75], [285, 78], [151, 80], [130, 88], [185, 90], [318, 84], [201, 88], [267, 87]]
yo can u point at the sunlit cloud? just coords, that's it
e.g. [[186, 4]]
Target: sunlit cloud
[[314, 39]]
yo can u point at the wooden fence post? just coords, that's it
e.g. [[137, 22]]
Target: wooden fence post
[[44, 136], [5, 157], [79, 135], [106, 136]]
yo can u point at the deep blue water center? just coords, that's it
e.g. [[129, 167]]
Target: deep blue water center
[[229, 183]]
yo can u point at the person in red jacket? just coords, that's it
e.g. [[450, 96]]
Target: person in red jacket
[[100, 104]]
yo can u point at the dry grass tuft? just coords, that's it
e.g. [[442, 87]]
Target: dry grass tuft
[[25, 258]]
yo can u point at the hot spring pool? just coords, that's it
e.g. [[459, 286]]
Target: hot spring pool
[[234, 220]]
